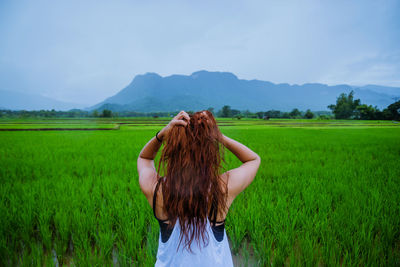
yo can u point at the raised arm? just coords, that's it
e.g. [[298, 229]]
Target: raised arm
[[240, 177], [145, 162]]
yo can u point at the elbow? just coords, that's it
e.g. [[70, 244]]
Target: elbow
[[258, 160], [255, 159]]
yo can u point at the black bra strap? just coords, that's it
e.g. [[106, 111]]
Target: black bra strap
[[213, 214]]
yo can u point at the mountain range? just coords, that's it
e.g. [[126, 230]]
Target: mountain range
[[203, 89], [28, 101]]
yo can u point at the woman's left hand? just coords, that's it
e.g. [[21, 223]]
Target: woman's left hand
[[181, 119]]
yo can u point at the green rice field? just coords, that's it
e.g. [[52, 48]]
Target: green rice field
[[327, 193]]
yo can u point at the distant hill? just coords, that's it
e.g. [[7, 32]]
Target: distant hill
[[151, 92], [24, 101], [382, 89]]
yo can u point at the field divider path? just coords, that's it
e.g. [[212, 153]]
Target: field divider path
[[116, 127]]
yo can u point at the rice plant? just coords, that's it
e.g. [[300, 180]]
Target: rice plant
[[324, 196]]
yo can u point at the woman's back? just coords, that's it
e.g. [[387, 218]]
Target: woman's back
[[212, 253], [194, 197]]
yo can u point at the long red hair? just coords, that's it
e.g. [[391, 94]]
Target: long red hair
[[192, 189]]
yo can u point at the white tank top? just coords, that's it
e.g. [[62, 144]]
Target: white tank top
[[215, 253]]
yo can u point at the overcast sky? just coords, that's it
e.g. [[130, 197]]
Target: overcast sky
[[85, 51]]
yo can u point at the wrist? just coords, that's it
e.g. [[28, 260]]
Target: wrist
[[222, 139], [162, 133], [158, 137]]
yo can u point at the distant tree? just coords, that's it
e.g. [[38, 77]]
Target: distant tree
[[238, 116], [295, 113], [308, 114], [95, 113], [394, 111], [248, 114], [323, 112], [345, 106], [385, 114], [24, 114], [235, 112], [106, 113], [285, 115], [260, 114], [365, 112], [273, 114], [226, 112], [211, 109], [52, 113], [323, 117]]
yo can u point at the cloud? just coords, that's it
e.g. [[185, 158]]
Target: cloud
[[380, 68], [85, 51]]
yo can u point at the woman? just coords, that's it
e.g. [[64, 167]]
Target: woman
[[192, 200]]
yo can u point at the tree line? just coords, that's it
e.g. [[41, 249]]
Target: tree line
[[346, 107], [77, 113], [227, 112]]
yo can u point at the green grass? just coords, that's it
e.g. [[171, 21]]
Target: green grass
[[48, 125], [323, 195]]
